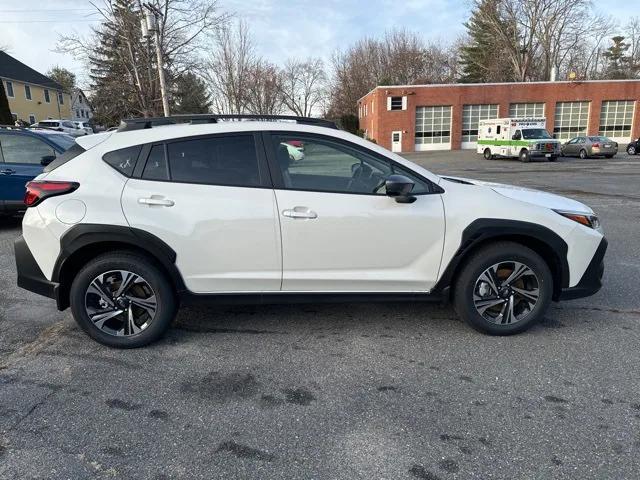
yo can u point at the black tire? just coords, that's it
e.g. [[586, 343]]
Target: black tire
[[479, 262], [583, 154], [166, 304], [487, 154], [609, 156], [525, 157], [631, 150], [553, 158]]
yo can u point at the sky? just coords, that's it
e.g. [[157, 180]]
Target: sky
[[29, 30]]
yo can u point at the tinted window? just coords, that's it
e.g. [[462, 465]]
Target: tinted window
[[323, 165], [24, 149], [156, 167], [229, 160], [48, 124], [124, 159]]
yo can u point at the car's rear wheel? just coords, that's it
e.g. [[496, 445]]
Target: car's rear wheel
[[583, 154], [631, 150], [525, 156], [609, 156], [123, 300], [553, 158], [503, 289], [487, 154]]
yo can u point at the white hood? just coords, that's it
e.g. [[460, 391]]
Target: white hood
[[529, 195]]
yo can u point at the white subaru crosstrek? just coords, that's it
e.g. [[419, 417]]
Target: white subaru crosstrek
[[128, 225]]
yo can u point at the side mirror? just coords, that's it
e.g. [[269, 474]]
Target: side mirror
[[399, 187], [515, 137], [47, 159]]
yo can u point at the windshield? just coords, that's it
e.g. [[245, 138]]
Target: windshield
[[63, 141], [535, 133]]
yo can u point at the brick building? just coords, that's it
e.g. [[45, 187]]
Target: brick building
[[407, 118]]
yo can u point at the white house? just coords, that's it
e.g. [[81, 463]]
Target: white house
[[81, 110]]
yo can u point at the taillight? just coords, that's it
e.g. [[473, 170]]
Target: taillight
[[38, 190], [596, 145]]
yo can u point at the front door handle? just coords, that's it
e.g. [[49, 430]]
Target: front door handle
[[154, 201], [300, 212], [7, 171]]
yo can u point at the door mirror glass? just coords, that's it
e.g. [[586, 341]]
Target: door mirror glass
[[47, 159], [400, 187]]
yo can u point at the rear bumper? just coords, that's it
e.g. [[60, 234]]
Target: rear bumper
[[30, 277], [591, 280]]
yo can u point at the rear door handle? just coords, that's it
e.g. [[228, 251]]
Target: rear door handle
[[153, 201], [300, 212], [7, 171]]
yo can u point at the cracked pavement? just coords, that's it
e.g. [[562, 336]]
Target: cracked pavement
[[385, 391]]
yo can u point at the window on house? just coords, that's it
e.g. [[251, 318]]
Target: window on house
[[60, 98], [396, 103], [32, 119], [10, 89], [47, 98], [27, 92]]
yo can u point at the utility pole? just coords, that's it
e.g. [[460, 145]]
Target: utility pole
[[150, 26]]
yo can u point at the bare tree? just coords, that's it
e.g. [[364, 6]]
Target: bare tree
[[122, 66], [400, 57], [303, 86], [229, 69], [264, 95]]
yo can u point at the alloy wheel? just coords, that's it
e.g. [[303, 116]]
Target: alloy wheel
[[631, 150], [506, 292], [120, 303]]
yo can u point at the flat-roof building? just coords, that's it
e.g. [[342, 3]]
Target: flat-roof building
[[408, 118]]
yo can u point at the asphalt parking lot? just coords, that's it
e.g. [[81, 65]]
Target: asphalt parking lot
[[384, 391]]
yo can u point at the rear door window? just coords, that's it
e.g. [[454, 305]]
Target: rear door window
[[24, 149], [157, 167], [221, 160]]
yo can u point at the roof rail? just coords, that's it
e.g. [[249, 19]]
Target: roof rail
[[143, 123]]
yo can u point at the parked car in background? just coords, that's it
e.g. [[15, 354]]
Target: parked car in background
[[85, 126], [23, 155], [129, 225], [591, 146], [65, 126], [634, 147]]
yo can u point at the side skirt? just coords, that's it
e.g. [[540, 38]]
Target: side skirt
[[279, 298]]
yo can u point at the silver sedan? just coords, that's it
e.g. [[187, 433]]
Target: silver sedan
[[585, 147]]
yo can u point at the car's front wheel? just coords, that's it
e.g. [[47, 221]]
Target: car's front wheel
[[631, 150], [503, 289], [525, 156], [123, 300]]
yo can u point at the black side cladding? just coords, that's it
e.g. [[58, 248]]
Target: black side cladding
[[70, 154]]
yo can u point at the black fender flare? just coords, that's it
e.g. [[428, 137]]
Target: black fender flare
[[482, 230], [84, 235]]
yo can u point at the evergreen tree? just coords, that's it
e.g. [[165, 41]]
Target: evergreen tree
[[618, 59], [481, 59], [190, 95], [5, 112]]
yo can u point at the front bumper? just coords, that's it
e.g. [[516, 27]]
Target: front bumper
[[30, 277], [591, 280]]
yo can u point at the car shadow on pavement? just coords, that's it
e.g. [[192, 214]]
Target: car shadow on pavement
[[9, 223]]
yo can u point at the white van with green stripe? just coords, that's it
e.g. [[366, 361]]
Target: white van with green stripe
[[523, 138]]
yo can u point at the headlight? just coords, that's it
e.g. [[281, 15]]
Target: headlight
[[590, 221]]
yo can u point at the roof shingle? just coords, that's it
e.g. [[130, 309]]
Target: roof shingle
[[16, 70]]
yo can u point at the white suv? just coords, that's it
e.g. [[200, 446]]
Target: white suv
[[66, 126], [129, 224]]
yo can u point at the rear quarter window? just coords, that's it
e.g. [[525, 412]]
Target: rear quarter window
[[70, 154], [123, 160]]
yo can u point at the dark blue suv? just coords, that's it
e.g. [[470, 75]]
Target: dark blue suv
[[23, 155]]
